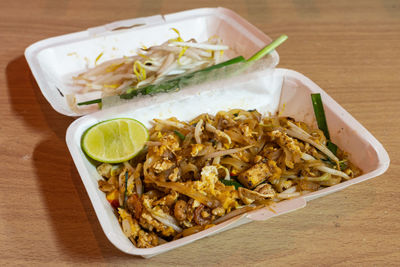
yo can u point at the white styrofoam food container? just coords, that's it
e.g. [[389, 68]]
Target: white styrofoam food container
[[54, 61], [281, 90]]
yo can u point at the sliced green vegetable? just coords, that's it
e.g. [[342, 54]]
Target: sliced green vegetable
[[321, 120], [94, 101], [175, 83], [343, 164], [320, 114], [332, 147], [231, 182], [268, 49], [180, 135]]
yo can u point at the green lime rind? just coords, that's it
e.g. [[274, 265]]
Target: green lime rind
[[114, 143]]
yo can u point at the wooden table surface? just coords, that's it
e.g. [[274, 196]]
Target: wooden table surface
[[350, 48]]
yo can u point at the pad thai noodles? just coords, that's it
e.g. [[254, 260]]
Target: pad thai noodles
[[149, 66], [194, 175]]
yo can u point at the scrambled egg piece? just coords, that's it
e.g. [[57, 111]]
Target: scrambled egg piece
[[289, 145], [174, 176], [209, 176], [171, 141], [148, 222], [196, 148], [164, 165], [146, 240], [133, 226]]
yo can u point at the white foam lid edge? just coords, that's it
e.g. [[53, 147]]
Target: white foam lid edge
[[56, 60]]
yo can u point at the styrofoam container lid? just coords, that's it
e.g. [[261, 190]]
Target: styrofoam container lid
[[56, 60]]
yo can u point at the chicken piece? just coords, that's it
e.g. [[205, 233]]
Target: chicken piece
[[108, 170], [265, 190], [106, 187], [258, 173], [249, 196], [105, 170], [281, 184], [146, 240], [307, 185]]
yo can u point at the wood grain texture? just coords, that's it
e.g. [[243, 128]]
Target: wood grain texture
[[350, 48]]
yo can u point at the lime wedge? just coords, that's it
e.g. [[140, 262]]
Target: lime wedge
[[115, 140]]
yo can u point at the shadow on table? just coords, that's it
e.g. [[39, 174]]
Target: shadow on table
[[28, 102], [68, 205], [65, 199]]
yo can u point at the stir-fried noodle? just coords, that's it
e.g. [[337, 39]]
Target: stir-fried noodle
[[193, 175]]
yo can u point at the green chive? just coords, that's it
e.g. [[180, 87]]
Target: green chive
[[268, 49], [332, 147], [176, 83], [321, 120], [343, 164], [231, 182], [320, 114], [180, 135], [94, 101], [126, 188]]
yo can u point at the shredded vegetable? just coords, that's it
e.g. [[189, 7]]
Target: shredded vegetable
[[150, 65]]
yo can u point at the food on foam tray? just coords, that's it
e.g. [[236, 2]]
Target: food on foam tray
[[149, 66], [150, 83], [193, 175]]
